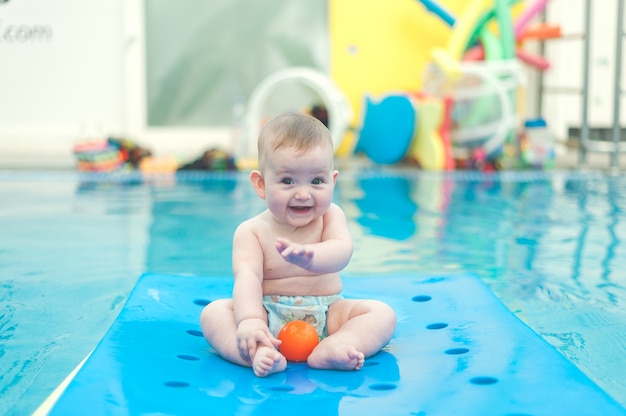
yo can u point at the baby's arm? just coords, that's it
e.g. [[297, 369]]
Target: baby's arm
[[298, 254], [250, 315], [331, 255]]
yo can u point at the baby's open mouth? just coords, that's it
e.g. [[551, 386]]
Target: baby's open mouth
[[300, 209]]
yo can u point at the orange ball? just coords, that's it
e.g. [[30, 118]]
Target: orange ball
[[298, 340]]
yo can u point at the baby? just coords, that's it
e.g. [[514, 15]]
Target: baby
[[287, 259]]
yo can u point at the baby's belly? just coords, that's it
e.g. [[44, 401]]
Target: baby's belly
[[303, 285]]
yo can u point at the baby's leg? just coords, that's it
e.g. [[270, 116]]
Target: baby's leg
[[357, 329], [220, 330], [219, 327], [333, 353]]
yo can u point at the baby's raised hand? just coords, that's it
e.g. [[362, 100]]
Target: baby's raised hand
[[297, 254]]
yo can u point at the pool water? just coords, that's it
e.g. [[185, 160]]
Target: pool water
[[550, 245]]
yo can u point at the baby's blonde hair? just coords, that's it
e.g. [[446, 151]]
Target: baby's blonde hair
[[299, 131]]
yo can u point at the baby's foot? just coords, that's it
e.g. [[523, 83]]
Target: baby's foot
[[336, 356], [268, 361]]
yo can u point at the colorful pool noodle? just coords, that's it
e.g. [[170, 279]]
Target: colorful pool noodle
[[448, 59], [490, 46], [435, 8], [541, 31], [519, 27], [482, 23], [505, 25], [528, 13], [531, 59], [477, 53], [481, 30], [491, 50], [471, 25]]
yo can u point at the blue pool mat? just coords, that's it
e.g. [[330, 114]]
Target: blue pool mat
[[456, 351]]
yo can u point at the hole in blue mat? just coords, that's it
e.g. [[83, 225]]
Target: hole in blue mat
[[456, 351], [201, 302], [188, 357], [383, 386], [175, 383], [437, 325], [483, 380], [282, 388], [421, 298], [195, 332]]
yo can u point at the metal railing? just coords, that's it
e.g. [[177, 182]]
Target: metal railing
[[615, 146]]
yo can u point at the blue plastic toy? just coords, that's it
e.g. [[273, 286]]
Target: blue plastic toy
[[387, 129]]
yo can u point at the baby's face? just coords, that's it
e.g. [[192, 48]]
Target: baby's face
[[299, 187]]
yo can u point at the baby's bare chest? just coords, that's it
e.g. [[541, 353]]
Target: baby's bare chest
[[274, 265]]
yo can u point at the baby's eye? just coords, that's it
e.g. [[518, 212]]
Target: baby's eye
[[317, 181], [286, 181]]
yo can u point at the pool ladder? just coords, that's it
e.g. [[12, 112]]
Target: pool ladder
[[615, 146]]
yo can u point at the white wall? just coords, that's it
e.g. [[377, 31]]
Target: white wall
[[61, 77], [77, 72]]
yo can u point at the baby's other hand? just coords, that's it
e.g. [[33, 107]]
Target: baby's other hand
[[297, 254], [250, 334]]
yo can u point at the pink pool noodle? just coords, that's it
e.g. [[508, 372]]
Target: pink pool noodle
[[534, 60], [477, 53], [527, 15]]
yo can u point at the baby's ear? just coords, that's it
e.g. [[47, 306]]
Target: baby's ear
[[258, 183]]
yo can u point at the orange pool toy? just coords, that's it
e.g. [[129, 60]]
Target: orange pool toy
[[298, 340]]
